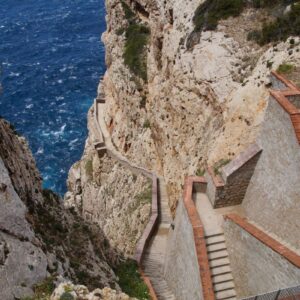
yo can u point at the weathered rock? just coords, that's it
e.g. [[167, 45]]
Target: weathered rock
[[81, 292]]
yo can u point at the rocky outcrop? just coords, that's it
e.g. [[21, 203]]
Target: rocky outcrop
[[38, 236], [201, 103], [109, 194], [67, 289]]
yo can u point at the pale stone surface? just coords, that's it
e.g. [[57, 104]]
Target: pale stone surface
[[256, 268], [37, 235], [111, 195], [203, 104], [272, 198], [181, 264], [81, 292]]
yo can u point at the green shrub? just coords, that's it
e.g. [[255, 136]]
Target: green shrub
[[147, 124], [66, 296], [280, 29], [218, 165], [130, 280], [209, 13], [43, 290], [200, 172], [146, 195], [285, 68], [120, 31], [135, 51], [129, 14]]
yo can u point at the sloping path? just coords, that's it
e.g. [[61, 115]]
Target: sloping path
[[218, 256], [153, 259]]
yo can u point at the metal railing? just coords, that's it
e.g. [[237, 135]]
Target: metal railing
[[291, 293]]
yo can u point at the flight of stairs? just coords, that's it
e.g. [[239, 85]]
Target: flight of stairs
[[220, 267], [153, 261], [153, 264]]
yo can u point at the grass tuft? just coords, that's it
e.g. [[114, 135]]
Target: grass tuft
[[285, 69], [130, 280]]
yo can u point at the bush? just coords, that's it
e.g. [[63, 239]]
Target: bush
[[66, 296], [130, 280], [200, 172], [280, 29], [147, 124], [145, 196], [129, 15], [134, 54], [218, 165], [209, 13], [43, 290], [285, 68]]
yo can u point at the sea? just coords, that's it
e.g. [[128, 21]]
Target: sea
[[51, 59]]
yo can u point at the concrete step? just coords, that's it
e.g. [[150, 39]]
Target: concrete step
[[220, 270], [218, 254], [219, 262], [225, 294], [216, 247], [218, 287], [222, 278], [215, 239]]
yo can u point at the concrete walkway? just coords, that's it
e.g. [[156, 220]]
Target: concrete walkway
[[153, 261], [212, 220]]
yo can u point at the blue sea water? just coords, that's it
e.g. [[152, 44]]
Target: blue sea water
[[51, 59]]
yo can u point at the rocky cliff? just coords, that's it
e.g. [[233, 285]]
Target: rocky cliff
[[38, 237], [178, 99]]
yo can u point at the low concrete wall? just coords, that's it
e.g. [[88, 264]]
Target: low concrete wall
[[256, 268], [181, 265]]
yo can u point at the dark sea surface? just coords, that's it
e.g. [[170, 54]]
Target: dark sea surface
[[51, 59]]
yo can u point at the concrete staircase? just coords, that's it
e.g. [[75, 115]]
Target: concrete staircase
[[220, 267], [153, 261]]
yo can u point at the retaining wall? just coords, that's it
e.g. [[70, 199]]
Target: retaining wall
[[229, 187], [259, 264], [181, 271], [272, 198], [187, 267]]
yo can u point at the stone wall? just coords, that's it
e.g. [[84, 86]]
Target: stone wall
[[181, 266], [229, 188], [256, 268], [272, 198]]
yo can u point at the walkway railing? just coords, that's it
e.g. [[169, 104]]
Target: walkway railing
[[192, 183], [143, 242], [286, 293]]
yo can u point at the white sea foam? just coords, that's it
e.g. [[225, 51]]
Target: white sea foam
[[29, 106], [40, 151]]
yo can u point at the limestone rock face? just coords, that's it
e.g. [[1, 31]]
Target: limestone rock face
[[204, 99], [81, 292], [106, 193], [38, 236]]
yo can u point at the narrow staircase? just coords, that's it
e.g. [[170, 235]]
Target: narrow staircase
[[153, 261], [220, 267]]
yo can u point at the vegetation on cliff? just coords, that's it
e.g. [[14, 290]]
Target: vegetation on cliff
[[209, 13], [130, 280], [279, 30], [137, 35]]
